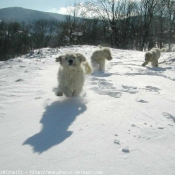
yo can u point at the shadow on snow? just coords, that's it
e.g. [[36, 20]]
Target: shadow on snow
[[56, 121]]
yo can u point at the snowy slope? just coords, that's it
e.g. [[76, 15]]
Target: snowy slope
[[123, 125]]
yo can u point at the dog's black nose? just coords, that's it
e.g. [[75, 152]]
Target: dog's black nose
[[70, 61]]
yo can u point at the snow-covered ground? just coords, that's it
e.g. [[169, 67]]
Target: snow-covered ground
[[124, 123]]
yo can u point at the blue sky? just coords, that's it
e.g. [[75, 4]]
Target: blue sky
[[56, 6]]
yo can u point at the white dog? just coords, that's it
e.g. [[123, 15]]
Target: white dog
[[71, 74], [98, 58], [152, 56]]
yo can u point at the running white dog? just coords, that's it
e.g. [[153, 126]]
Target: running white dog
[[73, 66], [98, 58], [152, 56]]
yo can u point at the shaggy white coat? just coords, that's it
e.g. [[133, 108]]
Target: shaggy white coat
[[153, 56], [98, 58], [71, 74]]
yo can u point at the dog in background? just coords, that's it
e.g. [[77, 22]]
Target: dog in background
[[98, 58], [71, 72], [153, 56]]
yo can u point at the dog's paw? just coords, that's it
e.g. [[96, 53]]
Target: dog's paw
[[59, 93]]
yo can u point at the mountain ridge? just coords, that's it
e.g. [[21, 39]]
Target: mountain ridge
[[19, 14]]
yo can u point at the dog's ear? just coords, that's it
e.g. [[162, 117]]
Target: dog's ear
[[145, 63], [81, 57], [59, 59]]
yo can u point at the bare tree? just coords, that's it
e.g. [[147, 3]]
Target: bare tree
[[40, 29], [120, 17], [159, 24], [148, 9], [170, 14], [75, 23]]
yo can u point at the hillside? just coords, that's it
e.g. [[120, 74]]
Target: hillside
[[18, 14], [122, 124]]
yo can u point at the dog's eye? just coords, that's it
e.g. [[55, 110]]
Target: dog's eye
[[66, 58]]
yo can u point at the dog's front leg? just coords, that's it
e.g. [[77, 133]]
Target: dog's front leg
[[154, 63], [94, 65], [102, 65], [77, 92], [145, 63], [67, 92], [59, 92]]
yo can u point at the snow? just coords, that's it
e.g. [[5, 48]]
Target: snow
[[123, 123]]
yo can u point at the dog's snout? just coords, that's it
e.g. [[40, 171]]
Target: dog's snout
[[70, 61]]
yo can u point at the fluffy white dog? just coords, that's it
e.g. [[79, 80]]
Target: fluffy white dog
[[153, 56], [98, 58], [71, 72]]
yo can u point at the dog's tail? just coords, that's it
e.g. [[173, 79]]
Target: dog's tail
[[87, 68], [163, 50]]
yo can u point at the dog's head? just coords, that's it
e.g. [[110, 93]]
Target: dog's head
[[107, 53], [148, 56], [71, 60]]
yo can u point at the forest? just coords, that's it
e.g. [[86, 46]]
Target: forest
[[122, 24]]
